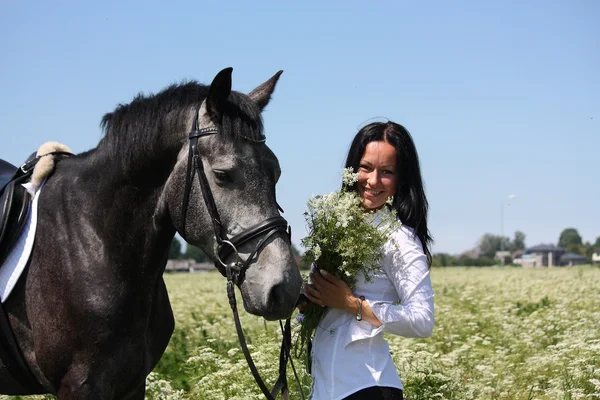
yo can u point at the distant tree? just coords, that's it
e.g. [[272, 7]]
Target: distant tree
[[295, 251], [443, 260], [175, 249], [475, 262], [518, 242], [447, 260], [489, 244], [571, 241], [302, 264], [587, 249], [194, 253], [597, 244]]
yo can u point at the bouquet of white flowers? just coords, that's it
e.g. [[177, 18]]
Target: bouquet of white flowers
[[344, 239]]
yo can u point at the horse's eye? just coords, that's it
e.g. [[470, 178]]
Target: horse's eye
[[223, 176]]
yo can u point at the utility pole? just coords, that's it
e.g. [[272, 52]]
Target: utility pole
[[512, 196]]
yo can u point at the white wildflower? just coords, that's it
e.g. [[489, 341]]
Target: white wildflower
[[349, 176]]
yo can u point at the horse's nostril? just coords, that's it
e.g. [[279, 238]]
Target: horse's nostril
[[277, 296], [279, 302]]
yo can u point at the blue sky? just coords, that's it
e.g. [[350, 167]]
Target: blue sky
[[501, 97]]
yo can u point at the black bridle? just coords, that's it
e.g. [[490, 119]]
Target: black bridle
[[235, 271]]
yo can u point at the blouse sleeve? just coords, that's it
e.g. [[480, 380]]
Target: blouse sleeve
[[405, 264]]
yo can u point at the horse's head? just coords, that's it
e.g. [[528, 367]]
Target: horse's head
[[235, 167]]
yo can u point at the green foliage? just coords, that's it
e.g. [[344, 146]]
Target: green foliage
[[443, 260], [587, 250], [175, 249], [447, 260], [475, 262], [518, 242], [489, 244], [295, 251], [571, 241], [529, 307], [194, 253], [300, 259], [303, 264], [173, 360]]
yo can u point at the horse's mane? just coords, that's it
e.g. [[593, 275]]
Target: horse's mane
[[148, 119]]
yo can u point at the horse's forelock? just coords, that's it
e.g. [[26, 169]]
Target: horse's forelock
[[242, 119]]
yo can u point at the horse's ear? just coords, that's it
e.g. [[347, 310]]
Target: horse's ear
[[262, 94], [219, 91]]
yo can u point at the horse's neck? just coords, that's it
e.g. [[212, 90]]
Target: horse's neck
[[118, 211]]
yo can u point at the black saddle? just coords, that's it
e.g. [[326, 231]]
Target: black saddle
[[15, 202], [7, 172]]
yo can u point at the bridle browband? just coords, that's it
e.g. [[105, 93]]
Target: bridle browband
[[226, 247]]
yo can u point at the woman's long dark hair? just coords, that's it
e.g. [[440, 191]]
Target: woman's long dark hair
[[410, 201]]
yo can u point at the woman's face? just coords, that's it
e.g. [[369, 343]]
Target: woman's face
[[377, 174]]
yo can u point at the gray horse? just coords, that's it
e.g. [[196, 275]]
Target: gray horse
[[91, 313]]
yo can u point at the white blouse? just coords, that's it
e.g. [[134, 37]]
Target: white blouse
[[350, 355]]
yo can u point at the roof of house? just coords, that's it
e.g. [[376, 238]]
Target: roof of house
[[572, 257], [473, 253], [543, 247], [518, 253]]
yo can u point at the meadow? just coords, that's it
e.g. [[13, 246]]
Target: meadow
[[501, 333]]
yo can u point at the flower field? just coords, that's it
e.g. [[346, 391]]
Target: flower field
[[501, 333]]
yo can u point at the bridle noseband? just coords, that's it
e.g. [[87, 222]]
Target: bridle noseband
[[235, 270]]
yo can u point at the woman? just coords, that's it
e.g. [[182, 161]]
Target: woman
[[350, 357]]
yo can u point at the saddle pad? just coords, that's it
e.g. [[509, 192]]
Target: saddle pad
[[16, 261]]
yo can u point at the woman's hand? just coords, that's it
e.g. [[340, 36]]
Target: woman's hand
[[303, 302], [329, 291]]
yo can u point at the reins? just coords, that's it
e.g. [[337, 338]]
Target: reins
[[284, 353], [235, 271]]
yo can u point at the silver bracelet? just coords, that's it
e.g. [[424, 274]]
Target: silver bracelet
[[359, 313]]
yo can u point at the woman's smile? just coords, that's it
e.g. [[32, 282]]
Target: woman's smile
[[377, 175]]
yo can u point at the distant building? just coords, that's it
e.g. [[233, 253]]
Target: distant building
[[570, 259], [548, 255], [503, 256], [543, 255], [596, 257], [529, 260], [188, 265], [473, 253]]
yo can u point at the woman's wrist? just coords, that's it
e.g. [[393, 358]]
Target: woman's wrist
[[353, 305], [366, 313]]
